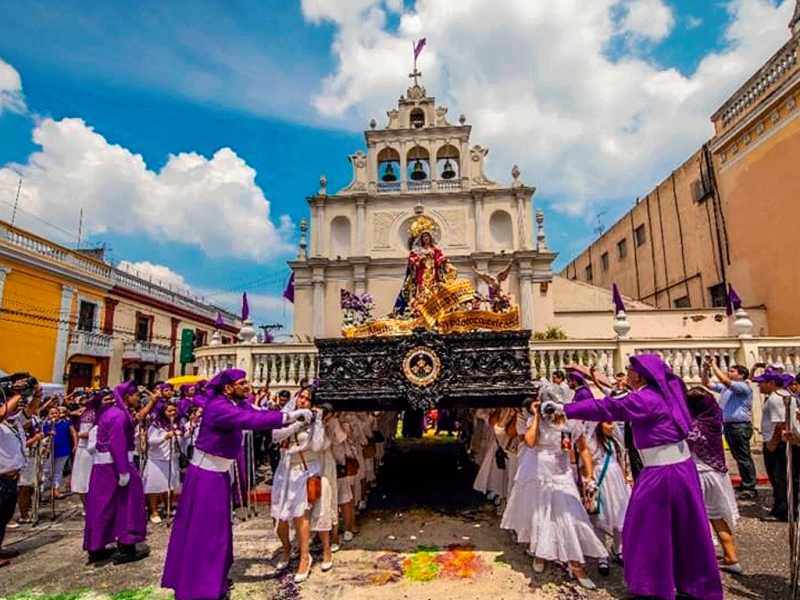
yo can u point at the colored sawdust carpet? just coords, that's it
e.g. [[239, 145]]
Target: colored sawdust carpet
[[456, 562]]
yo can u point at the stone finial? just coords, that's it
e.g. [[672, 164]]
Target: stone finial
[[462, 119], [216, 338], [742, 324], [621, 325], [247, 334], [541, 240], [323, 181], [372, 124], [515, 173], [303, 245]]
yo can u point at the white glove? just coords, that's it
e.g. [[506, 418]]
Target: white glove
[[552, 408], [301, 414], [124, 479]]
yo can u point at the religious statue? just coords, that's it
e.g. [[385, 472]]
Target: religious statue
[[498, 301], [427, 268]]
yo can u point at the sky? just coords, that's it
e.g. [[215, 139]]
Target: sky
[[191, 133]]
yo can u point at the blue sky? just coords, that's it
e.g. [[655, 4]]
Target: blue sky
[[288, 87]]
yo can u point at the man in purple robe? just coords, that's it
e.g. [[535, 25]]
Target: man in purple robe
[[577, 383], [115, 510], [200, 550], [667, 544]]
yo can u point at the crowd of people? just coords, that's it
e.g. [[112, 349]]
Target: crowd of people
[[631, 471]]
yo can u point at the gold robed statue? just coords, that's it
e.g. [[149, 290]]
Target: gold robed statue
[[431, 297]]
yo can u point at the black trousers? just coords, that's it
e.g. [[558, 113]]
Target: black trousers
[[634, 458], [775, 462], [8, 502], [738, 436]]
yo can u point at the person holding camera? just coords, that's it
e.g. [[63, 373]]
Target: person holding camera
[[13, 415], [666, 540], [200, 550], [736, 401]]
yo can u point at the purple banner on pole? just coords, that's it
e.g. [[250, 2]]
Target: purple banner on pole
[[619, 305], [245, 307], [288, 293], [734, 302]]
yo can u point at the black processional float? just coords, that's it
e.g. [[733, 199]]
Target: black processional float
[[424, 370]]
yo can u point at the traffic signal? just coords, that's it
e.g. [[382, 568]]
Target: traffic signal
[[187, 346]]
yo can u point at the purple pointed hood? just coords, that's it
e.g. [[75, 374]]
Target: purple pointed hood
[[121, 391], [658, 374]]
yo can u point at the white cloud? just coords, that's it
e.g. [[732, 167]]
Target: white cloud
[[693, 22], [536, 82], [10, 89], [649, 19], [265, 308], [213, 204]]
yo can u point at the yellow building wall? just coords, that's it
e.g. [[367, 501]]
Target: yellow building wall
[[29, 321]]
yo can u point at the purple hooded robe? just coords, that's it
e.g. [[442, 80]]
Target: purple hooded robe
[[114, 513], [200, 550], [666, 540]]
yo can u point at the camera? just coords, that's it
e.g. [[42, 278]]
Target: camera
[[18, 383], [549, 409]]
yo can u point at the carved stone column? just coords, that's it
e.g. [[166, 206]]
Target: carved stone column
[[522, 235], [360, 274], [319, 228], [318, 299], [477, 199], [360, 220], [62, 335], [526, 298]]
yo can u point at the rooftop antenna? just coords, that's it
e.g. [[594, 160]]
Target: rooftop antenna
[[16, 201], [600, 227]]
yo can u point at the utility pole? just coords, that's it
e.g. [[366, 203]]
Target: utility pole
[[16, 201]]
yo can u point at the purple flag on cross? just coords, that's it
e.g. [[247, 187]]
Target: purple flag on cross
[[219, 323], [418, 48], [734, 302], [245, 307], [288, 293], [619, 305]]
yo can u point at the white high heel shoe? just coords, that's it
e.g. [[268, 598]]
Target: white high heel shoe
[[538, 567], [301, 577], [584, 582]]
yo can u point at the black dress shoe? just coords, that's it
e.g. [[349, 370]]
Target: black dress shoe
[[98, 558], [131, 553], [603, 568], [6, 554]]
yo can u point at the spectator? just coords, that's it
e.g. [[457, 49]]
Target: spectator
[[736, 401], [63, 439], [773, 419], [563, 390]]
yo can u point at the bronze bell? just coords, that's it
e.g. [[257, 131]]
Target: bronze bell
[[388, 174], [418, 174], [448, 172]]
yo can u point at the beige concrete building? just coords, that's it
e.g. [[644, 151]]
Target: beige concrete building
[[419, 163], [727, 215]]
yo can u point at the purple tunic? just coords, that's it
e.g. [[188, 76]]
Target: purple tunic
[[114, 513], [200, 550], [582, 393], [667, 543]]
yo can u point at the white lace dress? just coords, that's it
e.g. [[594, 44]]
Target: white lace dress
[[560, 528], [156, 477], [517, 515], [83, 460], [614, 490], [491, 479], [325, 510]]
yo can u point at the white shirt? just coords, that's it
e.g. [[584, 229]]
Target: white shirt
[[774, 412], [12, 444]]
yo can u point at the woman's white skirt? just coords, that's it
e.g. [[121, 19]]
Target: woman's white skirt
[[614, 496], [289, 490], [344, 489], [491, 479], [157, 479], [81, 470], [325, 511], [718, 496]]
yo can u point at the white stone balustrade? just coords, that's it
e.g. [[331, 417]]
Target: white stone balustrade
[[90, 343], [147, 352]]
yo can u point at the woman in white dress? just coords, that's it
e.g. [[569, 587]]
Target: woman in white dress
[[560, 528], [161, 475], [84, 454], [492, 475], [325, 511], [613, 490], [350, 489], [705, 443], [344, 482], [517, 515], [299, 442]]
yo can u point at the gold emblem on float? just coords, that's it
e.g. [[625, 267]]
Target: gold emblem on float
[[421, 366]]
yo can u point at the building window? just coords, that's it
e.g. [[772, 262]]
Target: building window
[[622, 248], [588, 272], [143, 328], [718, 296], [604, 261], [86, 316], [200, 338], [682, 302], [640, 235]]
